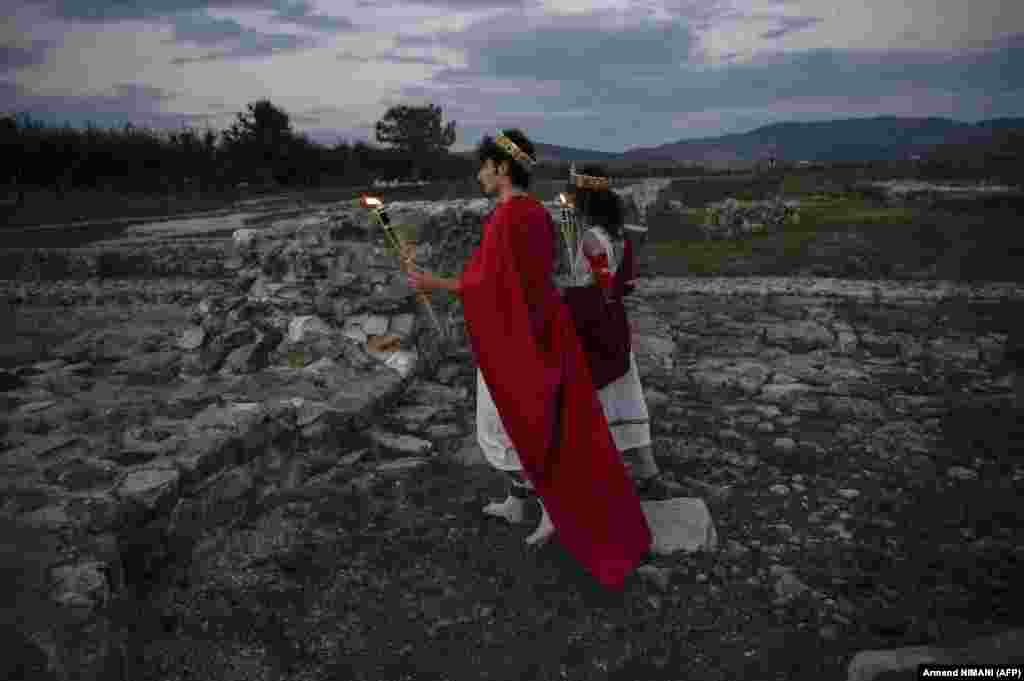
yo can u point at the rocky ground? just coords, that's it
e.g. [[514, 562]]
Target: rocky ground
[[855, 442]]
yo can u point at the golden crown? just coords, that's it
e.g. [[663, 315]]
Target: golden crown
[[588, 181], [514, 151]]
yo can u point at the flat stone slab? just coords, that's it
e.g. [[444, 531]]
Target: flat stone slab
[[149, 486], [680, 524], [1004, 648], [401, 465], [406, 444]]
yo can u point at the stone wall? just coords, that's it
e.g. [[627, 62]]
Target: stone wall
[[732, 219], [134, 447], [132, 451]]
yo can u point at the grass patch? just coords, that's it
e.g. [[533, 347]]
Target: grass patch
[[679, 247], [832, 213], [702, 257]]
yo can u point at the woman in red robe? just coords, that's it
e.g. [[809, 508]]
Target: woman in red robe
[[603, 273], [547, 424]]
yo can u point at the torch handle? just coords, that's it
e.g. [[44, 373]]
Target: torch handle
[[405, 261]]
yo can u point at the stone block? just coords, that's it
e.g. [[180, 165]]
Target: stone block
[[95, 511], [680, 524], [82, 585], [205, 454], [151, 488], [192, 338], [786, 394], [402, 324], [404, 444], [375, 325], [303, 327], [400, 466]]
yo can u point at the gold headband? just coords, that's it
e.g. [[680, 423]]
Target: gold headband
[[515, 152], [592, 182], [588, 181]]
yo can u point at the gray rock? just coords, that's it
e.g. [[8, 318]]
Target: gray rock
[[205, 454], [237, 417], [681, 524], [94, 511], [246, 359], [785, 394], [443, 431], [405, 444], [659, 577], [375, 325], [48, 446], [192, 338], [304, 327], [852, 407], [402, 324], [659, 348], [83, 585], [655, 398], [800, 336], [429, 393], [33, 407], [870, 664], [150, 487], [155, 365], [141, 443], [788, 586], [415, 417], [400, 466], [962, 473]]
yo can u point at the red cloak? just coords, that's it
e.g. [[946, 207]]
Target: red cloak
[[527, 349], [599, 316]]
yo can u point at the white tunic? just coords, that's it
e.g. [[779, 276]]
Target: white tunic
[[622, 400]]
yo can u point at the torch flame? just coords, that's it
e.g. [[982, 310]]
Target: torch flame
[[372, 201]]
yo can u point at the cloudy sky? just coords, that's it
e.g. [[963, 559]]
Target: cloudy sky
[[597, 75]]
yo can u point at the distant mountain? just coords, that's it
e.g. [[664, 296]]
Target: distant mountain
[[552, 153], [852, 139]]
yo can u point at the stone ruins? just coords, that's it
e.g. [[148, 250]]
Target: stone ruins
[[304, 349]]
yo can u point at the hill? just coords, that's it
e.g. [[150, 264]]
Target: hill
[[852, 139]]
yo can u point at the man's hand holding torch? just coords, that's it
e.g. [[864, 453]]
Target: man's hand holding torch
[[419, 280]]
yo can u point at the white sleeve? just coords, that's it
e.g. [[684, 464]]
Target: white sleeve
[[592, 244]]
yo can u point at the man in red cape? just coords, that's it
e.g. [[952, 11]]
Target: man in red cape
[[533, 365]]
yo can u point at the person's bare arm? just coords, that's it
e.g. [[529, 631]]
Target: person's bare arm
[[452, 284]]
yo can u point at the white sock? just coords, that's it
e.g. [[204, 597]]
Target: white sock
[[511, 509]]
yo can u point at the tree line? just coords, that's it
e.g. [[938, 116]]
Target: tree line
[[260, 148]]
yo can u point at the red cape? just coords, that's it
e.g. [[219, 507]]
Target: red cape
[[601, 322], [528, 352]]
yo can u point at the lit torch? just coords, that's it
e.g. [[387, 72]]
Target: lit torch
[[569, 232], [401, 249]]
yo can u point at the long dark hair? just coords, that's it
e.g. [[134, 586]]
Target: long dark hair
[[598, 207], [488, 149]]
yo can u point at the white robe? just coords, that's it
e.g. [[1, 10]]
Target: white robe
[[622, 401]]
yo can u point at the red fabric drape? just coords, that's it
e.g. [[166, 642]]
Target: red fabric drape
[[599, 316], [526, 346]]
